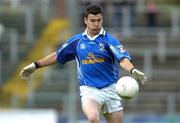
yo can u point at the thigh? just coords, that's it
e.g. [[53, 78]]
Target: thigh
[[91, 108], [115, 117], [92, 101]]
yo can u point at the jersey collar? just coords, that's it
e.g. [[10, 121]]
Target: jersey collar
[[102, 32]]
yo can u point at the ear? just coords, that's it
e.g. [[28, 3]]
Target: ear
[[85, 20]]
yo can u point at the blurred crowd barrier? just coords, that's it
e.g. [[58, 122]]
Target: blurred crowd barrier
[[21, 116]]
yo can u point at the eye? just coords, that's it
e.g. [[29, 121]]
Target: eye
[[99, 20], [93, 20]]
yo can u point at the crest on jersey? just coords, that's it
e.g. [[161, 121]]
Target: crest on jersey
[[101, 46], [82, 46]]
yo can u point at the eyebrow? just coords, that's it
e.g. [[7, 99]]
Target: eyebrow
[[95, 19]]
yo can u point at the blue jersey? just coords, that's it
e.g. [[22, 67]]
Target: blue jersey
[[97, 58]]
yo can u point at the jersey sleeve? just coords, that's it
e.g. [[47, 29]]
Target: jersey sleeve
[[117, 49], [67, 51]]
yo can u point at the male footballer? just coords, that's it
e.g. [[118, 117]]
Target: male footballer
[[97, 55]]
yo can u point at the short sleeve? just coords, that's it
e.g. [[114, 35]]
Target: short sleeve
[[117, 49], [68, 50]]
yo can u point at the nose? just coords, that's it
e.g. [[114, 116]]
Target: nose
[[96, 23]]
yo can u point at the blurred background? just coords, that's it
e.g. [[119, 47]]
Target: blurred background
[[31, 29]]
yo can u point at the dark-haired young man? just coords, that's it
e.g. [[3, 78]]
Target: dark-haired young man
[[98, 55]]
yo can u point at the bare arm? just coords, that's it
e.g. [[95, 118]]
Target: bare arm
[[48, 60], [31, 68], [126, 64]]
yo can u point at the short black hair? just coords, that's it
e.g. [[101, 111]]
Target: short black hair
[[93, 9]]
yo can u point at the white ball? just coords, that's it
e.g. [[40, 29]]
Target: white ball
[[127, 87]]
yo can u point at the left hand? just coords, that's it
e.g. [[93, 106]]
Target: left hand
[[139, 76]]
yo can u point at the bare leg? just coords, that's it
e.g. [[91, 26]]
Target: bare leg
[[115, 117], [91, 109]]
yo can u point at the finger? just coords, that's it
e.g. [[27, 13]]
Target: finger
[[21, 73], [24, 75], [22, 78], [144, 79], [25, 78]]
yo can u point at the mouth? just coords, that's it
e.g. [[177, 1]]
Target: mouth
[[97, 29]]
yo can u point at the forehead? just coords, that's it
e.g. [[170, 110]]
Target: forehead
[[91, 16]]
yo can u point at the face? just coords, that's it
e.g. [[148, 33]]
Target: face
[[93, 23]]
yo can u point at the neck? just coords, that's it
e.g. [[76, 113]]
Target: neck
[[90, 34]]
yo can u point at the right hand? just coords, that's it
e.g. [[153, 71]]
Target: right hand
[[27, 71]]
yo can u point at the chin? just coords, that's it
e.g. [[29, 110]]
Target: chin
[[96, 32]]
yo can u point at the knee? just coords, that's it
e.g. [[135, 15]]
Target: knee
[[93, 118]]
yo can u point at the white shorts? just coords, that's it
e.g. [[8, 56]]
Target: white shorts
[[107, 97]]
